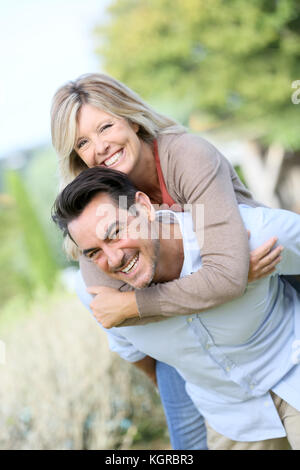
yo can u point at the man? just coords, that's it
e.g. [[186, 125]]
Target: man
[[241, 369]]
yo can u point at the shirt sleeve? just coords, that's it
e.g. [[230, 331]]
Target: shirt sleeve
[[285, 225], [123, 347], [202, 181], [116, 341]]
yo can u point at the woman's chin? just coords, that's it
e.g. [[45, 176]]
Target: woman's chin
[[123, 167]]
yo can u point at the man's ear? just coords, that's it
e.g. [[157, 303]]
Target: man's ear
[[143, 203]]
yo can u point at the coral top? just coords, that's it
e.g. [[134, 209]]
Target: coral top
[[166, 198]]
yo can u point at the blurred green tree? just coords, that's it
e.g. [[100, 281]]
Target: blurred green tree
[[42, 183], [233, 60], [13, 278], [38, 264]]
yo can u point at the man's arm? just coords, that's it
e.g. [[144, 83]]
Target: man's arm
[[117, 342]]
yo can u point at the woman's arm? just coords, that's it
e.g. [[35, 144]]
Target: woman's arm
[[200, 177], [114, 308]]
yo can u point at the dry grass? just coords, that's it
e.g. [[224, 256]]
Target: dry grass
[[61, 388]]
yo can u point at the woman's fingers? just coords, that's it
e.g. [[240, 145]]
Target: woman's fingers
[[264, 249], [270, 258], [270, 267], [264, 259]]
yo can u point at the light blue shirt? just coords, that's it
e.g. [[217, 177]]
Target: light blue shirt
[[232, 356]]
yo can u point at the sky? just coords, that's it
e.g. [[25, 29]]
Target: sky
[[43, 44]]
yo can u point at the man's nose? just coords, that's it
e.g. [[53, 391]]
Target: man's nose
[[115, 257]]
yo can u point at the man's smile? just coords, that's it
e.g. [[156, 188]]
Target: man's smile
[[131, 265]]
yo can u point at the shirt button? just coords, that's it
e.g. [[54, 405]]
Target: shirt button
[[190, 319], [207, 346], [252, 386], [228, 368]]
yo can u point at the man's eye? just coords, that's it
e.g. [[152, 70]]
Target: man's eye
[[94, 255], [116, 235]]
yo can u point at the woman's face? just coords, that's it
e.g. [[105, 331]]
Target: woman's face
[[102, 139]]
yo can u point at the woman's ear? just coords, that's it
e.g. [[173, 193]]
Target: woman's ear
[[143, 202], [135, 127]]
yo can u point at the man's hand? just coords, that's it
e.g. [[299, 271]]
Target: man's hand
[[111, 307], [264, 259]]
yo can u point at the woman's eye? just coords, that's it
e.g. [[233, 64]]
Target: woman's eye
[[103, 128], [81, 144]]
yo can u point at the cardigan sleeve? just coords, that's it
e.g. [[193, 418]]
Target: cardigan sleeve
[[200, 177]]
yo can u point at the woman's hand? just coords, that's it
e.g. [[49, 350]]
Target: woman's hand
[[111, 307], [264, 259]]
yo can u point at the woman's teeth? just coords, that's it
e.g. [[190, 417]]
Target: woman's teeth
[[110, 161], [131, 265]]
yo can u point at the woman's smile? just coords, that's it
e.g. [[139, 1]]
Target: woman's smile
[[115, 159]]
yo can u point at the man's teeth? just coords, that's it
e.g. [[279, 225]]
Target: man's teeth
[[113, 159], [130, 265]]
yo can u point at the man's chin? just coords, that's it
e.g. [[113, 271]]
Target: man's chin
[[136, 285], [146, 284], [141, 282], [139, 285]]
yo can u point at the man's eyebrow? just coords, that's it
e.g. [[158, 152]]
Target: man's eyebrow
[[110, 228], [106, 235], [89, 250]]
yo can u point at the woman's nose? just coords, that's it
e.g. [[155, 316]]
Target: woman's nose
[[98, 152], [101, 147]]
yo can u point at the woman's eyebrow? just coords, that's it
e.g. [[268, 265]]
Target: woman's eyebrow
[[83, 137]]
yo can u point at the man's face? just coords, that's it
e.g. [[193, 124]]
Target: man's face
[[116, 241]]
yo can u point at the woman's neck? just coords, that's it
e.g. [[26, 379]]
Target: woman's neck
[[144, 175]]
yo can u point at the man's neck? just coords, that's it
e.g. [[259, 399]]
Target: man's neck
[[171, 254]]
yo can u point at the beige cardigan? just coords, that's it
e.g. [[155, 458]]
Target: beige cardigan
[[196, 172]]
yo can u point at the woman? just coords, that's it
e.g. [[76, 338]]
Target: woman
[[96, 120]]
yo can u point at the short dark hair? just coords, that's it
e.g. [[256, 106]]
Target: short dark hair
[[71, 202]]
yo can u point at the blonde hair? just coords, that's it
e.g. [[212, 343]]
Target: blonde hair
[[111, 96]]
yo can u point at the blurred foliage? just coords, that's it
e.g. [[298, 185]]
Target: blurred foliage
[[40, 267], [42, 181], [30, 248], [13, 277], [233, 60], [80, 396]]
